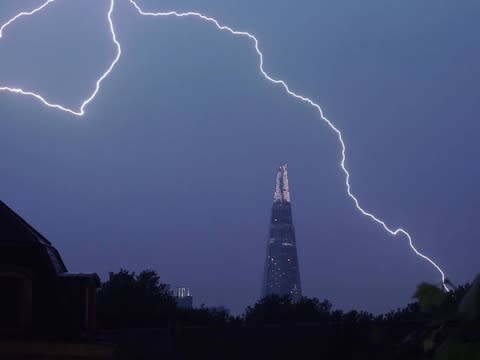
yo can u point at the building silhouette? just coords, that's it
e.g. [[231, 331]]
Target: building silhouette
[[282, 273], [38, 295]]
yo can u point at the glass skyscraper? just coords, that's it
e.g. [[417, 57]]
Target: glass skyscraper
[[282, 273]]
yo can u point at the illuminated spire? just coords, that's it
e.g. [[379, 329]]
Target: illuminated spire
[[282, 273], [281, 188]]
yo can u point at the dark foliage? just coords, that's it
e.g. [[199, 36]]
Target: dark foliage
[[432, 327], [130, 300], [281, 310], [204, 316]]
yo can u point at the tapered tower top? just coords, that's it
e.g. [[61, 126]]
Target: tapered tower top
[[281, 189], [282, 273]]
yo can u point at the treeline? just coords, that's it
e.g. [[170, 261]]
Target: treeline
[[437, 325], [130, 300]]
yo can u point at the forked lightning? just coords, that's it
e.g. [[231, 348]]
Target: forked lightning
[[82, 108]]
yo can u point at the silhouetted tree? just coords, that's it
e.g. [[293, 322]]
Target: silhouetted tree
[[281, 309], [130, 300], [448, 332], [205, 316], [437, 326]]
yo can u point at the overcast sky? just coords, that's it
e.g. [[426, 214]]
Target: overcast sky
[[173, 166]]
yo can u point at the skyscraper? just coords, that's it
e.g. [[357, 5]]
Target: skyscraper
[[282, 273]]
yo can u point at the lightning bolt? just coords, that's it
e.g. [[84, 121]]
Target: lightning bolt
[[264, 73], [84, 104]]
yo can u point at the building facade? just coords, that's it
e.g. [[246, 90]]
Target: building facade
[[184, 298], [282, 273]]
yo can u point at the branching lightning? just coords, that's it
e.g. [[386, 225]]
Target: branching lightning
[[264, 73], [81, 110]]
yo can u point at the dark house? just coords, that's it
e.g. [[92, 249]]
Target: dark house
[[39, 298]]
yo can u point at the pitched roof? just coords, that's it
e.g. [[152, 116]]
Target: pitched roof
[[14, 229]]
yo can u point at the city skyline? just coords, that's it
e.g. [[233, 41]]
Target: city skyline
[[171, 167]]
